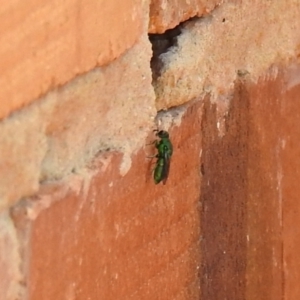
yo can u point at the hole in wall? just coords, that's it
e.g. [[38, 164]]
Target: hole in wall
[[163, 43]]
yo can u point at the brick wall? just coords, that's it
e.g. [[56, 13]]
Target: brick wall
[[83, 85]]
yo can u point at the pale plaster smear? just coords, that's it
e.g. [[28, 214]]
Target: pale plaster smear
[[11, 276], [114, 106], [249, 36], [109, 108]]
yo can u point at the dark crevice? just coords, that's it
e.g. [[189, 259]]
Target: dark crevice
[[162, 43]]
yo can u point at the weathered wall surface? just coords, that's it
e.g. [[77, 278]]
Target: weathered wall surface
[[115, 227], [83, 86], [45, 44], [249, 190]]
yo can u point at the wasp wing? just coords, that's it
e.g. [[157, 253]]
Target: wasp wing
[[166, 167]]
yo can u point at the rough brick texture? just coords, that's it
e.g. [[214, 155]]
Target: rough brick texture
[[166, 14], [80, 215], [70, 125], [11, 275], [45, 44], [249, 190], [205, 54], [224, 200], [109, 236], [114, 237]]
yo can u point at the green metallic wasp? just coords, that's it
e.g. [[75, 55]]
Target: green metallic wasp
[[164, 152]]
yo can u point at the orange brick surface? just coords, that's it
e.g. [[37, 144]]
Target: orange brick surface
[[114, 237], [288, 180], [80, 215], [44, 44], [106, 236], [265, 266], [165, 15], [249, 192], [63, 131]]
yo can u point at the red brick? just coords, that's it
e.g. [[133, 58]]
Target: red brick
[[264, 202], [109, 236], [165, 15], [249, 191], [45, 44], [113, 237], [207, 53], [273, 189], [288, 170], [224, 201], [64, 131]]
